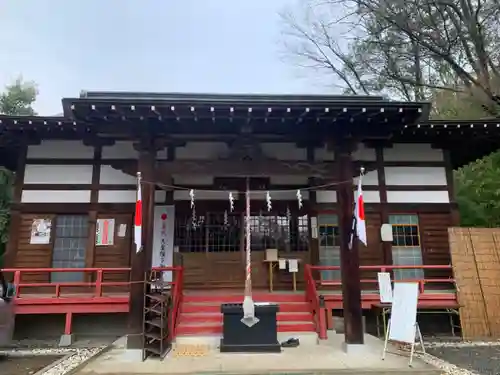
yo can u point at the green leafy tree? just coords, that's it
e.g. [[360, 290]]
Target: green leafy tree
[[16, 99], [477, 185], [478, 192]]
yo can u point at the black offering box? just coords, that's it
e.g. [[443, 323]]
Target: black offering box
[[237, 337]]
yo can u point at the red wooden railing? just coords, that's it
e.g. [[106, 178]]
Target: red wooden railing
[[313, 299], [322, 305], [98, 284], [388, 268], [90, 296], [177, 295]]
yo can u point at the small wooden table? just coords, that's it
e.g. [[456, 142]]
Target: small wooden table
[[271, 264]]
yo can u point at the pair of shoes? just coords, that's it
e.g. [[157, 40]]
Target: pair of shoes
[[290, 343]]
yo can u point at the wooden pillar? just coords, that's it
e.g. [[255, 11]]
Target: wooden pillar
[[141, 261], [313, 216], [450, 181], [92, 214], [9, 257], [384, 212], [349, 258]]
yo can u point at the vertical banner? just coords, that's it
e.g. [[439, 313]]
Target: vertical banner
[[163, 239], [105, 232]]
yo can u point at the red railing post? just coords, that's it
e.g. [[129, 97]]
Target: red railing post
[[98, 283], [17, 283], [322, 319]]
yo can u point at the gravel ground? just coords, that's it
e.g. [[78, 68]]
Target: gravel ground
[[484, 360], [25, 365], [72, 359]]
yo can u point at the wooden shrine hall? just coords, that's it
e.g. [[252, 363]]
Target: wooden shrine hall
[[72, 215]]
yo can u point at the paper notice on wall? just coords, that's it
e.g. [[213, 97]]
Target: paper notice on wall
[[40, 231], [105, 232], [122, 230]]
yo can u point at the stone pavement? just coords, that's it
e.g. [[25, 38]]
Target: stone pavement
[[324, 358]]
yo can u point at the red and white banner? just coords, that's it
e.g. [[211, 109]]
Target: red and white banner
[[138, 217]]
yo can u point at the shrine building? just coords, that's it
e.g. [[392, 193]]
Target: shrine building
[[75, 191]]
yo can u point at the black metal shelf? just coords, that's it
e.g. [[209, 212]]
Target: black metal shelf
[[157, 300]]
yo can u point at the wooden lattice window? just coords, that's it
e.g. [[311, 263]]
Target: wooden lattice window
[[283, 232]]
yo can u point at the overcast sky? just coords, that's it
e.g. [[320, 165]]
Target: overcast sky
[[223, 46]]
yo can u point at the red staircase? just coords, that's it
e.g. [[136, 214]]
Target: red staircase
[[201, 316]]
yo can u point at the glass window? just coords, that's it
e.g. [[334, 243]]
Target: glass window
[[406, 249], [70, 244], [329, 245]]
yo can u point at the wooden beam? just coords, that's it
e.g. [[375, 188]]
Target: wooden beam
[[349, 258], [141, 261]]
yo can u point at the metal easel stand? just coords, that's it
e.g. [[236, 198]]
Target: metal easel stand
[[418, 335]]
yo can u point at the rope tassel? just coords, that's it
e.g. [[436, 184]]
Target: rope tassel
[[249, 318]]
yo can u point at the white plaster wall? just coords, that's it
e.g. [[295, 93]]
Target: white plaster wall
[[326, 196], [413, 152], [370, 178], [58, 174], [201, 150], [435, 176], [120, 150], [323, 154], [330, 196], [183, 195], [417, 197], [60, 150], [364, 154], [55, 196], [126, 196], [111, 176], [284, 151], [193, 180]]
